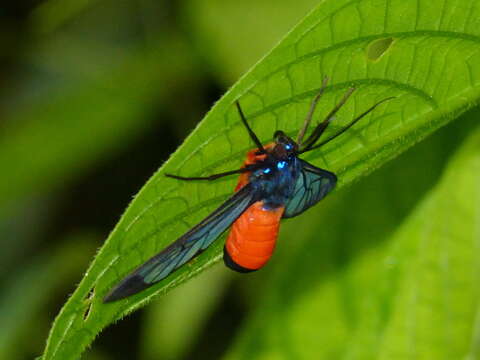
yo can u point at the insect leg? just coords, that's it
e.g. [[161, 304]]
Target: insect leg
[[353, 122], [214, 176], [253, 136], [308, 119], [318, 131]]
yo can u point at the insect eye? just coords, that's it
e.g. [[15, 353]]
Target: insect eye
[[281, 164], [267, 170]]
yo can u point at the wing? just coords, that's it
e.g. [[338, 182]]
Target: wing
[[312, 185], [186, 247]]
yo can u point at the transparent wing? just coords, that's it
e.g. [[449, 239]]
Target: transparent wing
[[312, 185], [186, 247]]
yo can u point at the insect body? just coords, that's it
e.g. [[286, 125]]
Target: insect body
[[274, 183], [254, 234]]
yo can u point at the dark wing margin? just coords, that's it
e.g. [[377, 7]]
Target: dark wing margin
[[312, 185], [186, 247]]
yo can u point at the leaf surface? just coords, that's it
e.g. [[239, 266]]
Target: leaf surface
[[412, 296], [430, 67]]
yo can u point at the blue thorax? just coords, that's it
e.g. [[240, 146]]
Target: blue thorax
[[276, 180]]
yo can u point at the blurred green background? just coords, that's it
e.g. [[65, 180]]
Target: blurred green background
[[94, 97]]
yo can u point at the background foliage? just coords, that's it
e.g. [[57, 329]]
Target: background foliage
[[97, 94]]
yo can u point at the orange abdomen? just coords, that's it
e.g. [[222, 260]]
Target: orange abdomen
[[253, 236]]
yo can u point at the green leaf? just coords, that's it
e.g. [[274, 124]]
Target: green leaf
[[412, 296], [430, 67], [434, 266]]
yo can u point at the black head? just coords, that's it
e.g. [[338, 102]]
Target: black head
[[284, 145]]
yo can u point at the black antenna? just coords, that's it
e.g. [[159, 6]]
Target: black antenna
[[250, 131], [318, 131], [353, 122]]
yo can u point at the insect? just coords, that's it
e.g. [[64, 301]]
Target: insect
[[274, 183]]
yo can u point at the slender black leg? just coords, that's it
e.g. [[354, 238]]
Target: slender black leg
[[308, 119], [318, 131], [353, 122], [214, 176], [253, 136]]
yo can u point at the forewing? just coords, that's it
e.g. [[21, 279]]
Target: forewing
[[311, 186], [186, 247]]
